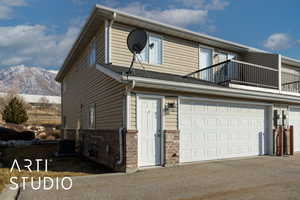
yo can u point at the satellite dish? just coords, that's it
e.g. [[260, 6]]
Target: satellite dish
[[137, 40]]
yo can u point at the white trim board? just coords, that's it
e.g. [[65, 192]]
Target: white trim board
[[225, 101], [207, 89]]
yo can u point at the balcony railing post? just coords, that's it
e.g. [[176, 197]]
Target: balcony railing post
[[279, 73]]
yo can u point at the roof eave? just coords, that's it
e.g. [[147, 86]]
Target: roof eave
[[129, 19], [75, 44]]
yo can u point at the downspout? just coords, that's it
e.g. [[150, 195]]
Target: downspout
[[128, 89], [120, 161], [107, 35], [120, 131]]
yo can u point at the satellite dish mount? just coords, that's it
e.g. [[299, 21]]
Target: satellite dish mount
[[136, 42]]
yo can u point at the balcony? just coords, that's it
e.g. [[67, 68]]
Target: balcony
[[290, 82], [239, 72]]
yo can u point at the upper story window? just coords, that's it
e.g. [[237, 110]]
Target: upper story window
[[64, 85], [92, 52], [64, 121], [152, 53], [223, 56], [91, 116], [205, 60]]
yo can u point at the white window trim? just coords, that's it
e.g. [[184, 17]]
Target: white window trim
[[162, 50], [92, 47], [65, 121], [89, 125], [64, 86]]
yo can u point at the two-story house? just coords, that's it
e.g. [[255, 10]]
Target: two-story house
[[192, 97]]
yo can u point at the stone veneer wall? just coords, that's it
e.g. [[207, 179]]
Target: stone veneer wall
[[103, 147], [131, 149], [171, 151]]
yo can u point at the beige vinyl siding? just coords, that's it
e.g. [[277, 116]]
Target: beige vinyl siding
[[179, 56], [132, 111], [85, 86], [290, 69], [170, 119], [171, 122]]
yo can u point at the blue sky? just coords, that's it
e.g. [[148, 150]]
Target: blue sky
[[40, 32]]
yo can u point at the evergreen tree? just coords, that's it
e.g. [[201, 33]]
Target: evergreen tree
[[15, 112]]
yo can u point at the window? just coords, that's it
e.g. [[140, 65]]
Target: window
[[228, 70], [225, 56], [92, 116], [206, 60], [152, 53], [92, 53], [64, 85], [64, 121]]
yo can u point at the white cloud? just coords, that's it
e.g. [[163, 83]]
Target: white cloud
[[217, 5], [13, 2], [6, 7], [207, 5], [278, 41], [33, 45], [177, 16], [197, 4]]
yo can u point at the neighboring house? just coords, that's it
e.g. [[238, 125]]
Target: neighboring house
[[194, 98]]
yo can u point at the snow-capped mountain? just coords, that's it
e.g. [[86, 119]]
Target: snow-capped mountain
[[29, 80]]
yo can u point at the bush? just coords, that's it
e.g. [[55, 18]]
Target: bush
[[10, 134], [15, 112]]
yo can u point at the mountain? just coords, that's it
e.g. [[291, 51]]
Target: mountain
[[29, 80]]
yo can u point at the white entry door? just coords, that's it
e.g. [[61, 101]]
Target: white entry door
[[216, 130], [149, 127], [294, 119]]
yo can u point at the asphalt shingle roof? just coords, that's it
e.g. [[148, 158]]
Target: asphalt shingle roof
[[158, 75]]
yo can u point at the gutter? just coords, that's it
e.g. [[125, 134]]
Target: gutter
[[211, 90]]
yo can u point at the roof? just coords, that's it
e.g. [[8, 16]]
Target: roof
[[126, 18], [157, 75]]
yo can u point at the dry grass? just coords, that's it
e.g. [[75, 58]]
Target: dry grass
[[57, 167]]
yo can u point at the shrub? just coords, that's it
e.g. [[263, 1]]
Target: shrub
[[10, 134], [15, 112]]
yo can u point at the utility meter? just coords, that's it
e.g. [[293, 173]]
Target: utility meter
[[277, 118]]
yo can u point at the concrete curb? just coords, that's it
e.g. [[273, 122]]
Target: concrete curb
[[8, 194]]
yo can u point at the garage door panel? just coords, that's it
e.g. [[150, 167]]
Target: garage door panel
[[220, 130], [294, 119]]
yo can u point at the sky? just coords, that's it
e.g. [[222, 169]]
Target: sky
[[41, 32]]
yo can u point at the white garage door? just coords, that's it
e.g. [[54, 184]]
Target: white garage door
[[294, 119], [210, 130]]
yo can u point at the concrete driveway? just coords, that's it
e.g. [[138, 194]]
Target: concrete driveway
[[253, 178]]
